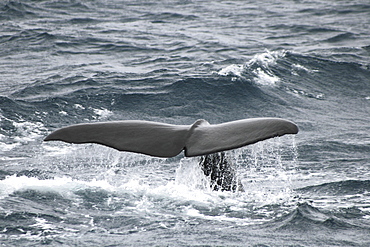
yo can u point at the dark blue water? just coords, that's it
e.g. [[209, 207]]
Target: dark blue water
[[64, 62]]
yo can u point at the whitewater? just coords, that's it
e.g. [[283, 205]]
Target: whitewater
[[65, 62]]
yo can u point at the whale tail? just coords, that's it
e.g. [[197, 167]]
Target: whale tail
[[167, 140]]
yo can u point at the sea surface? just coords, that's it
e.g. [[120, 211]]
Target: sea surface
[[65, 62]]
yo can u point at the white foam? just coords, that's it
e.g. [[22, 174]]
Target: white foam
[[24, 133], [298, 67], [63, 113], [43, 224], [265, 78], [79, 107], [260, 66], [233, 70], [102, 113], [57, 149], [267, 58], [62, 185], [4, 147]]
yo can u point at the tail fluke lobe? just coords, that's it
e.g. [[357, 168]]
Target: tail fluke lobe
[[151, 138], [206, 139]]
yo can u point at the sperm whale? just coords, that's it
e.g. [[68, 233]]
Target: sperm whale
[[168, 140]]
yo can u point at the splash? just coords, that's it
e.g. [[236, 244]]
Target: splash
[[190, 175], [142, 184], [266, 169]]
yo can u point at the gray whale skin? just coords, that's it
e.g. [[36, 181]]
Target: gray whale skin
[[167, 140]]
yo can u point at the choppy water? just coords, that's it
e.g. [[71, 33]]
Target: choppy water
[[71, 61]]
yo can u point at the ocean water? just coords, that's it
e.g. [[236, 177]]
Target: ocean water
[[64, 62]]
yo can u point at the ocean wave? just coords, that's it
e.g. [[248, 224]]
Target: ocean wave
[[20, 129], [300, 75], [64, 186], [341, 37], [84, 20], [347, 9], [268, 80], [68, 6], [169, 16], [31, 39], [31, 225], [347, 187], [51, 199], [307, 218], [15, 9]]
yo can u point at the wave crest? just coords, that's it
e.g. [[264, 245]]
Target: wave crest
[[257, 68]]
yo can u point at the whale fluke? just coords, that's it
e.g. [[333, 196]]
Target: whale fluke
[[167, 140]]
